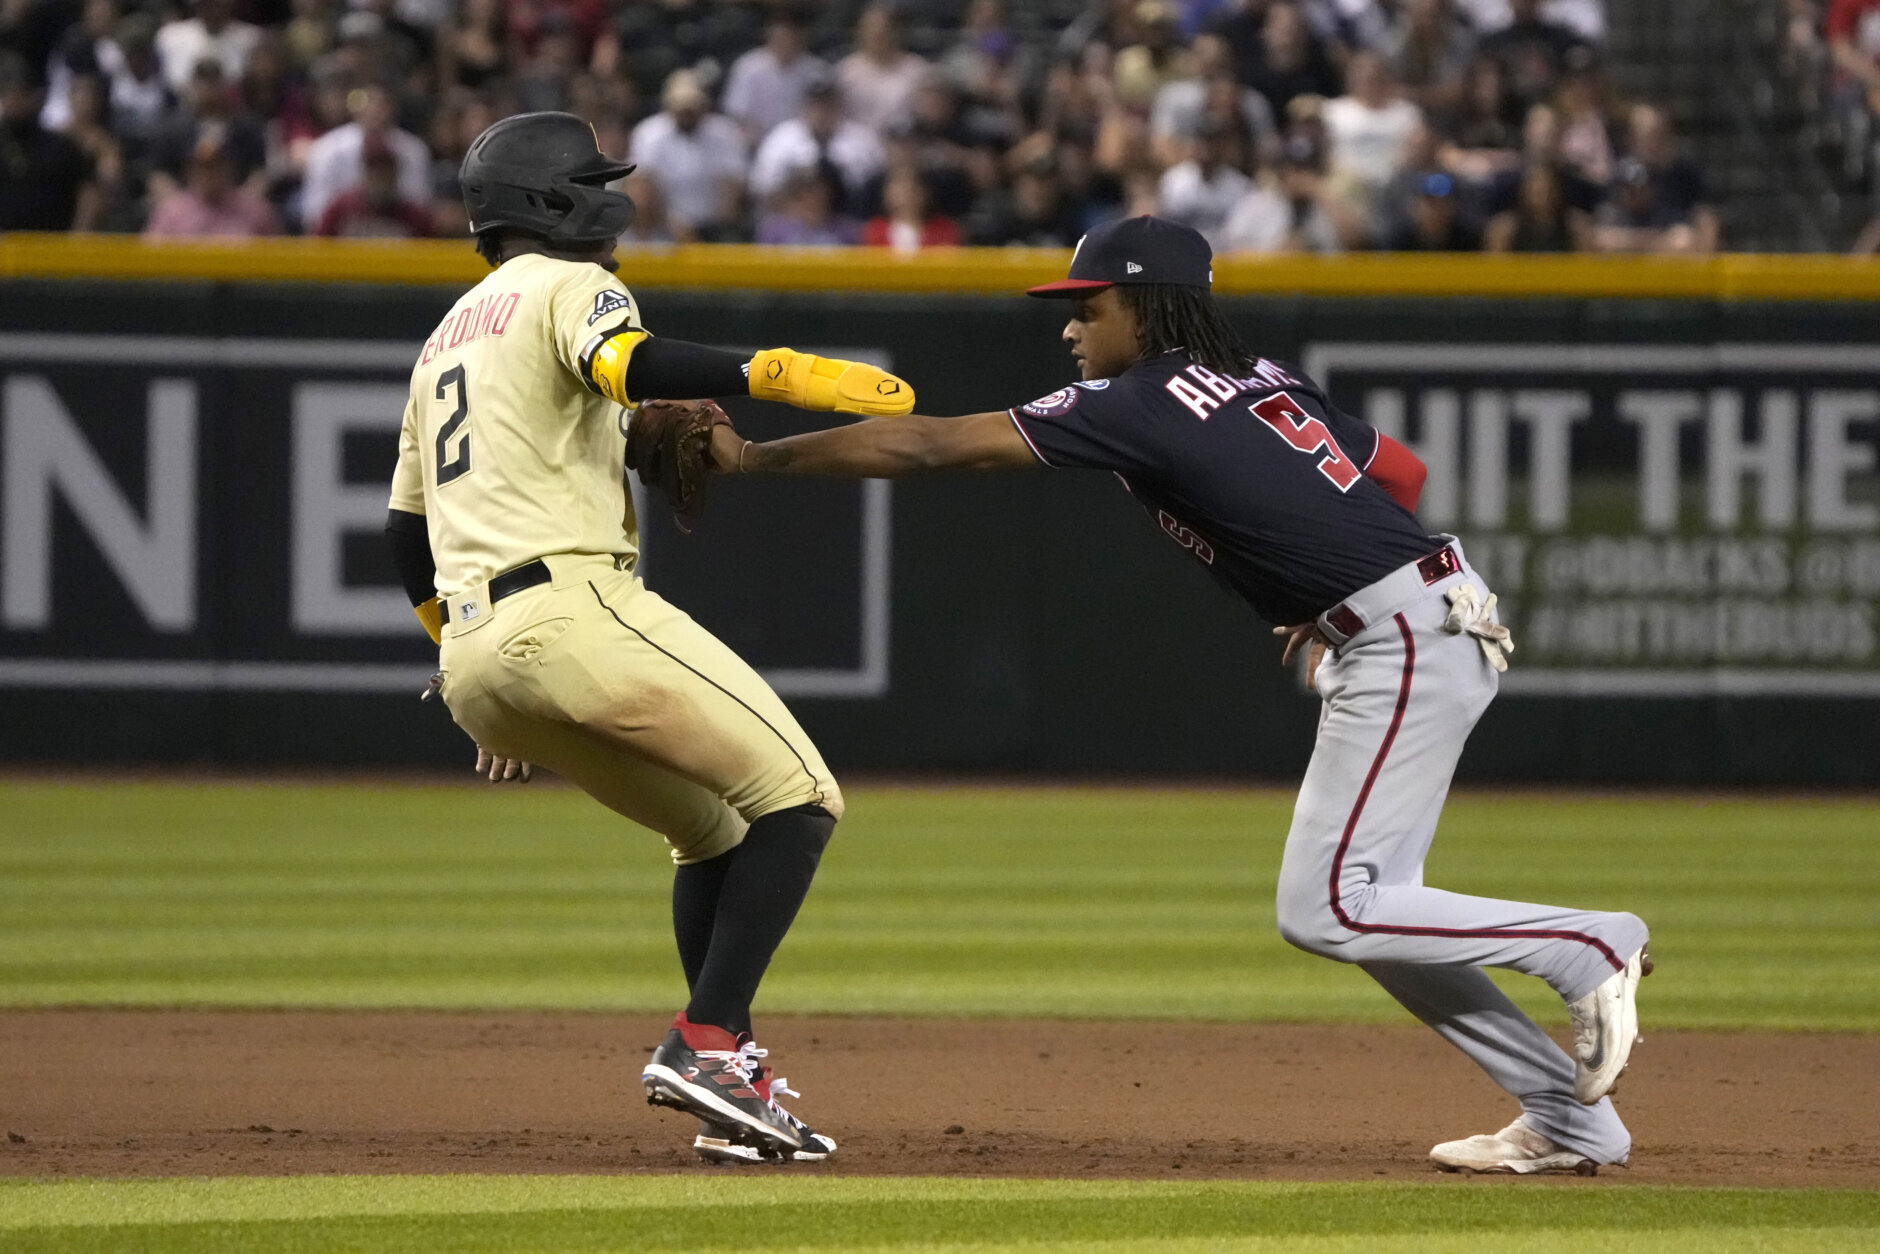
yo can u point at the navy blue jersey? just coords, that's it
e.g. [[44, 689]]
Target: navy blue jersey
[[1261, 478]]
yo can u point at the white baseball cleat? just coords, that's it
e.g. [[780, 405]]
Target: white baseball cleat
[[1516, 1150], [1605, 1027]]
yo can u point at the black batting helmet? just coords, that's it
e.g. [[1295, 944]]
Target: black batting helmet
[[543, 175]]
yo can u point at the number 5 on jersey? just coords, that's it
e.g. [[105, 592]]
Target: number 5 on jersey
[[453, 461], [1307, 434]]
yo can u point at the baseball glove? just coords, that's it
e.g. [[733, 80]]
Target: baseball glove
[[669, 446]]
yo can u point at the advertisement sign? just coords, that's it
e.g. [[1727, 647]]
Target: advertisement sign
[[200, 514], [1658, 520]]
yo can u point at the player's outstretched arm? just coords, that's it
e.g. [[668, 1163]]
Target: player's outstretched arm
[[879, 449], [679, 370]]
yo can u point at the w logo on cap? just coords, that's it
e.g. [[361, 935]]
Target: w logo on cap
[[1132, 268]]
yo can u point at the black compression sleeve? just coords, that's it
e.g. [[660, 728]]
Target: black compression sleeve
[[677, 370], [409, 538]]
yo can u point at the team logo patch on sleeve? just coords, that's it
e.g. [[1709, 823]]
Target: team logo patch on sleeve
[[1061, 401], [608, 302]]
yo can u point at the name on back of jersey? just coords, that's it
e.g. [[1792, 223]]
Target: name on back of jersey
[[1203, 391], [490, 315]]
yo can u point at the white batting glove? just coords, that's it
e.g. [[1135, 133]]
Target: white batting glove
[[1472, 616]]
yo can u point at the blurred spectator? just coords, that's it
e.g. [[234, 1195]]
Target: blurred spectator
[[1428, 52], [1288, 61], [1033, 211], [474, 52], [211, 201], [905, 224], [819, 133], [32, 29], [956, 161], [1029, 124], [45, 179], [89, 46], [462, 118], [1209, 90], [1585, 144], [1293, 212], [1432, 220], [1369, 128], [375, 209], [308, 35], [1849, 95], [646, 42], [281, 104], [336, 160], [986, 63], [88, 125], [1585, 18], [878, 79], [140, 96], [1201, 191], [1488, 119], [547, 76], [1635, 219], [212, 34], [1541, 220], [1148, 49], [1122, 140], [1532, 50], [696, 157], [806, 210], [1677, 184], [649, 225], [766, 84], [209, 107]]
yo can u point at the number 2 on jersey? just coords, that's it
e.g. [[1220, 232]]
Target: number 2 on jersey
[[1307, 434], [449, 467]]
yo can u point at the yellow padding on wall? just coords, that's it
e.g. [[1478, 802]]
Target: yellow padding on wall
[[984, 271]]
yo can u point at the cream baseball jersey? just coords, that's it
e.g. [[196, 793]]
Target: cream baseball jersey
[[510, 448]]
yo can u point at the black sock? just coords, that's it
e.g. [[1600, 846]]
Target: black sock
[[763, 887], [695, 889]]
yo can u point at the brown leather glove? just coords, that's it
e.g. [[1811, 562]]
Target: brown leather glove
[[669, 446]]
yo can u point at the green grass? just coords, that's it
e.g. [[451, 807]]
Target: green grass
[[474, 1214], [1153, 903]]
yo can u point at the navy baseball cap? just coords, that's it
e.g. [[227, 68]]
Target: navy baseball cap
[[1135, 250]]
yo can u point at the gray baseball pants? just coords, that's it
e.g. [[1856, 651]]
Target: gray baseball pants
[[1400, 697]]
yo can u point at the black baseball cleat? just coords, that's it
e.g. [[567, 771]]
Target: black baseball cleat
[[717, 1144], [707, 1072]]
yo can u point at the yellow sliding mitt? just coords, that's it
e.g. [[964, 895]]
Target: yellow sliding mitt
[[828, 383]]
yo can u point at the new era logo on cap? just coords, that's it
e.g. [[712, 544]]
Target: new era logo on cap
[[1135, 250]]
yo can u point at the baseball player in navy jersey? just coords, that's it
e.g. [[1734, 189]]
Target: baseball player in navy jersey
[[1306, 512]]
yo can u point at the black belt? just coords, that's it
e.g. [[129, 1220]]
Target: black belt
[[510, 582]]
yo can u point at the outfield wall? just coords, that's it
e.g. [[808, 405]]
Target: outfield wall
[[1667, 470]]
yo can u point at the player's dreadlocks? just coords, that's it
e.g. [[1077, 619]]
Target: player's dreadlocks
[[1173, 316], [490, 247]]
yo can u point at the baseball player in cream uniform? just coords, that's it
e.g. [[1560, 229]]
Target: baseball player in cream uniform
[[515, 536]]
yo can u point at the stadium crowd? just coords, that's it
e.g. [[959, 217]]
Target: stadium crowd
[[1269, 125]]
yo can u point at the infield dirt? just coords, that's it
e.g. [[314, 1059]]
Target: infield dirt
[[183, 1092]]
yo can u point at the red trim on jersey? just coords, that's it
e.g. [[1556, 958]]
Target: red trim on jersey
[[1398, 471], [1026, 437], [1357, 809]]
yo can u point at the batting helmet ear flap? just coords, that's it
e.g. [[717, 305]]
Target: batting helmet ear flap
[[596, 213]]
